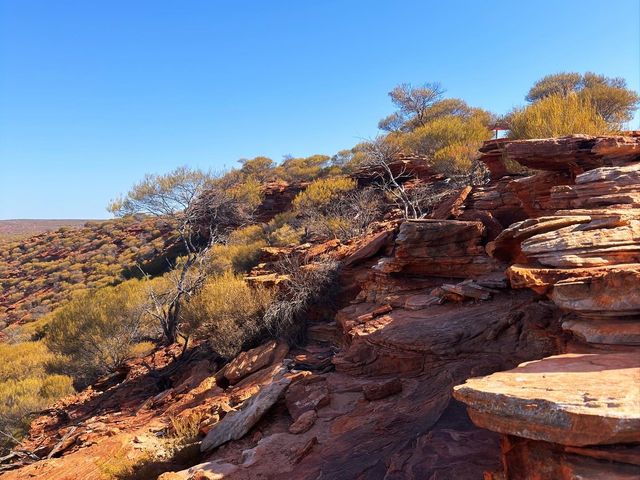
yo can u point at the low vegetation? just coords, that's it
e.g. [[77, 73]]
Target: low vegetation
[[82, 302]]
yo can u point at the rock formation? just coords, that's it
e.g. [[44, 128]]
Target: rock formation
[[574, 415]]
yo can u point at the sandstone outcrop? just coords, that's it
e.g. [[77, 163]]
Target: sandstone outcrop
[[572, 399], [584, 254]]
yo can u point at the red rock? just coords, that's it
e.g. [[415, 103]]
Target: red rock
[[253, 360], [377, 391], [304, 422], [608, 331], [568, 399], [237, 424], [310, 393], [525, 459], [446, 248], [452, 205], [612, 293], [575, 153]]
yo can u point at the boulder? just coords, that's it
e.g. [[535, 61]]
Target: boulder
[[236, 424], [571, 399], [444, 248], [304, 422], [253, 360]]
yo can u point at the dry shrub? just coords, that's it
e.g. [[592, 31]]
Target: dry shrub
[[26, 387], [99, 330], [307, 286], [228, 312]]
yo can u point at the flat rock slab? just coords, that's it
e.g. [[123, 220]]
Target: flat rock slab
[[237, 424], [606, 331], [573, 399]]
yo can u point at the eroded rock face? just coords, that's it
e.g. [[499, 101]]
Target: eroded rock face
[[575, 153], [525, 459], [567, 399], [439, 248]]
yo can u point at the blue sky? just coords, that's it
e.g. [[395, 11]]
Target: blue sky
[[93, 94]]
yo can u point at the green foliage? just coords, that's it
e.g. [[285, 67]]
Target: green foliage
[[241, 252], [44, 271], [320, 193], [333, 207], [555, 116], [99, 330], [302, 169], [164, 194], [451, 142], [258, 168], [610, 97], [228, 312], [26, 387]]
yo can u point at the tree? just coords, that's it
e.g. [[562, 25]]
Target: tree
[[610, 96], [555, 116], [204, 209], [258, 168], [98, 330]]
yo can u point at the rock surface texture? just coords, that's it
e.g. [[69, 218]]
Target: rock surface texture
[[575, 415]]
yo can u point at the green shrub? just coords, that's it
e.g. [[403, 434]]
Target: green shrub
[[99, 330], [320, 193], [26, 387], [557, 115], [227, 312]]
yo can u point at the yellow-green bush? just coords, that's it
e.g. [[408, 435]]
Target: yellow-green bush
[[451, 142], [26, 386], [98, 330], [320, 193], [228, 312], [557, 115], [240, 253]]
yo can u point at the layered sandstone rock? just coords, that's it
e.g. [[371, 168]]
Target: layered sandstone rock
[[584, 254], [442, 248], [567, 399]]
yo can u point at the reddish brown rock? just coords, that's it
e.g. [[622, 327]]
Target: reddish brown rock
[[611, 293], [452, 205], [380, 390], [606, 331], [575, 153], [310, 393], [253, 360], [446, 248], [525, 459], [237, 423], [568, 399], [304, 422]]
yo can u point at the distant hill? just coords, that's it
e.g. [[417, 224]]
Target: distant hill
[[39, 272], [20, 228]]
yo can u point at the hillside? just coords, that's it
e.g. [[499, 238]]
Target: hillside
[[39, 273], [21, 228], [495, 337]]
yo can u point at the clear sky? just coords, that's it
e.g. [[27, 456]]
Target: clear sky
[[93, 94]]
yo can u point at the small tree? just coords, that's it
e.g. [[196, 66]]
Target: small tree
[[555, 116], [204, 209], [610, 97]]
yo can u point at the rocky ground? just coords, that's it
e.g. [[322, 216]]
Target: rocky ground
[[519, 298]]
